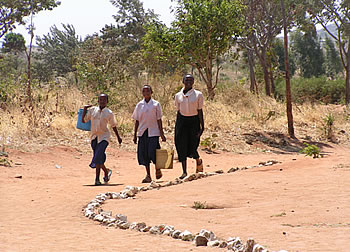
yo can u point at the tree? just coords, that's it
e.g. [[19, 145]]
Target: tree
[[128, 32], [325, 12], [59, 49], [278, 49], [100, 66], [158, 44], [204, 31], [263, 24], [13, 42], [14, 11], [288, 87], [332, 63], [307, 50]]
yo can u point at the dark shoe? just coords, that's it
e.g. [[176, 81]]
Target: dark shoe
[[158, 174], [97, 183], [106, 179], [147, 179], [184, 175]]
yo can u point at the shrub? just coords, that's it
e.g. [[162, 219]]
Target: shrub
[[313, 89], [311, 150]]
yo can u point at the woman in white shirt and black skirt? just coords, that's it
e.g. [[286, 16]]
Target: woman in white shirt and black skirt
[[148, 128], [189, 124]]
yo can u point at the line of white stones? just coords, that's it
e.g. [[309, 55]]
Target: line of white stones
[[204, 238]]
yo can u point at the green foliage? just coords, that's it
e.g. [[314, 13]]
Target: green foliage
[[8, 76], [308, 53], [13, 42], [58, 50], [328, 125], [313, 90], [332, 63], [99, 66], [14, 11], [4, 161], [278, 49], [127, 35], [311, 150], [200, 36], [199, 205], [209, 142]]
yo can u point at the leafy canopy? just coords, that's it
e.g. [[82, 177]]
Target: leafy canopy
[[14, 11]]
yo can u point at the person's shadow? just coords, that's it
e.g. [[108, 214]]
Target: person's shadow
[[105, 185]]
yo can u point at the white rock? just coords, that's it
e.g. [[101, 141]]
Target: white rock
[[208, 234], [121, 217], [115, 195], [154, 230], [98, 217], [176, 234], [223, 244], [200, 240], [154, 185], [214, 243], [186, 236], [259, 248]]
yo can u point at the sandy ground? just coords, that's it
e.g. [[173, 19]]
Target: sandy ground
[[301, 204]]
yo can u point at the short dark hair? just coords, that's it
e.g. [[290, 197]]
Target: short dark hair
[[148, 86], [102, 94], [187, 76]]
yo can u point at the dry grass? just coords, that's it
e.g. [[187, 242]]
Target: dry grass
[[234, 114]]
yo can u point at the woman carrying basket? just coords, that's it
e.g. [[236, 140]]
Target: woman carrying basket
[[148, 128]]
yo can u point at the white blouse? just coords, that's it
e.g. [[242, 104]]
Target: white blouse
[[148, 113], [188, 104]]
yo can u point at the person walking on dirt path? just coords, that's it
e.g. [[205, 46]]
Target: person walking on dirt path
[[148, 128], [100, 116], [189, 124]]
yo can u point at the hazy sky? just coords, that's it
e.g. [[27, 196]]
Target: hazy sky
[[88, 16]]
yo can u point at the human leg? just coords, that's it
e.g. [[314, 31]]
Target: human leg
[[184, 169], [99, 160]]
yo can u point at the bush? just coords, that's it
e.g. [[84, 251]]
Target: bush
[[313, 89]]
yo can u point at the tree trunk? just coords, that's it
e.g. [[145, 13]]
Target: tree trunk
[[253, 87], [288, 89], [266, 72], [347, 84], [272, 81]]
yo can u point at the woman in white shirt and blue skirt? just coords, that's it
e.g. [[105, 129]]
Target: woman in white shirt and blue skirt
[[189, 124], [148, 128]]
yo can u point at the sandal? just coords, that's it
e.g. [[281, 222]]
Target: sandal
[[158, 174], [106, 179], [147, 179], [199, 166], [184, 175]]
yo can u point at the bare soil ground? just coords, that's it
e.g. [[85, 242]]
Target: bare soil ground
[[300, 204]]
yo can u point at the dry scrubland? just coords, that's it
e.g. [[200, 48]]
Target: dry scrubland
[[236, 117]]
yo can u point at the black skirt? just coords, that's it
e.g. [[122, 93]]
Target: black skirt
[[186, 136], [146, 149]]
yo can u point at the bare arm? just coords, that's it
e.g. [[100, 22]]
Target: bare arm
[[160, 126], [117, 134], [201, 121], [135, 131], [84, 113]]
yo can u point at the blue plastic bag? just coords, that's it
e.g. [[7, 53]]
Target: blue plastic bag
[[80, 124]]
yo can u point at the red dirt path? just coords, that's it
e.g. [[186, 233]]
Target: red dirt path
[[301, 204]]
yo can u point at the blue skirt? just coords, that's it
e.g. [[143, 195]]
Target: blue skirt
[[99, 150], [146, 149]]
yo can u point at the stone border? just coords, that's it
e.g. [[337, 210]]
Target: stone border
[[204, 238]]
